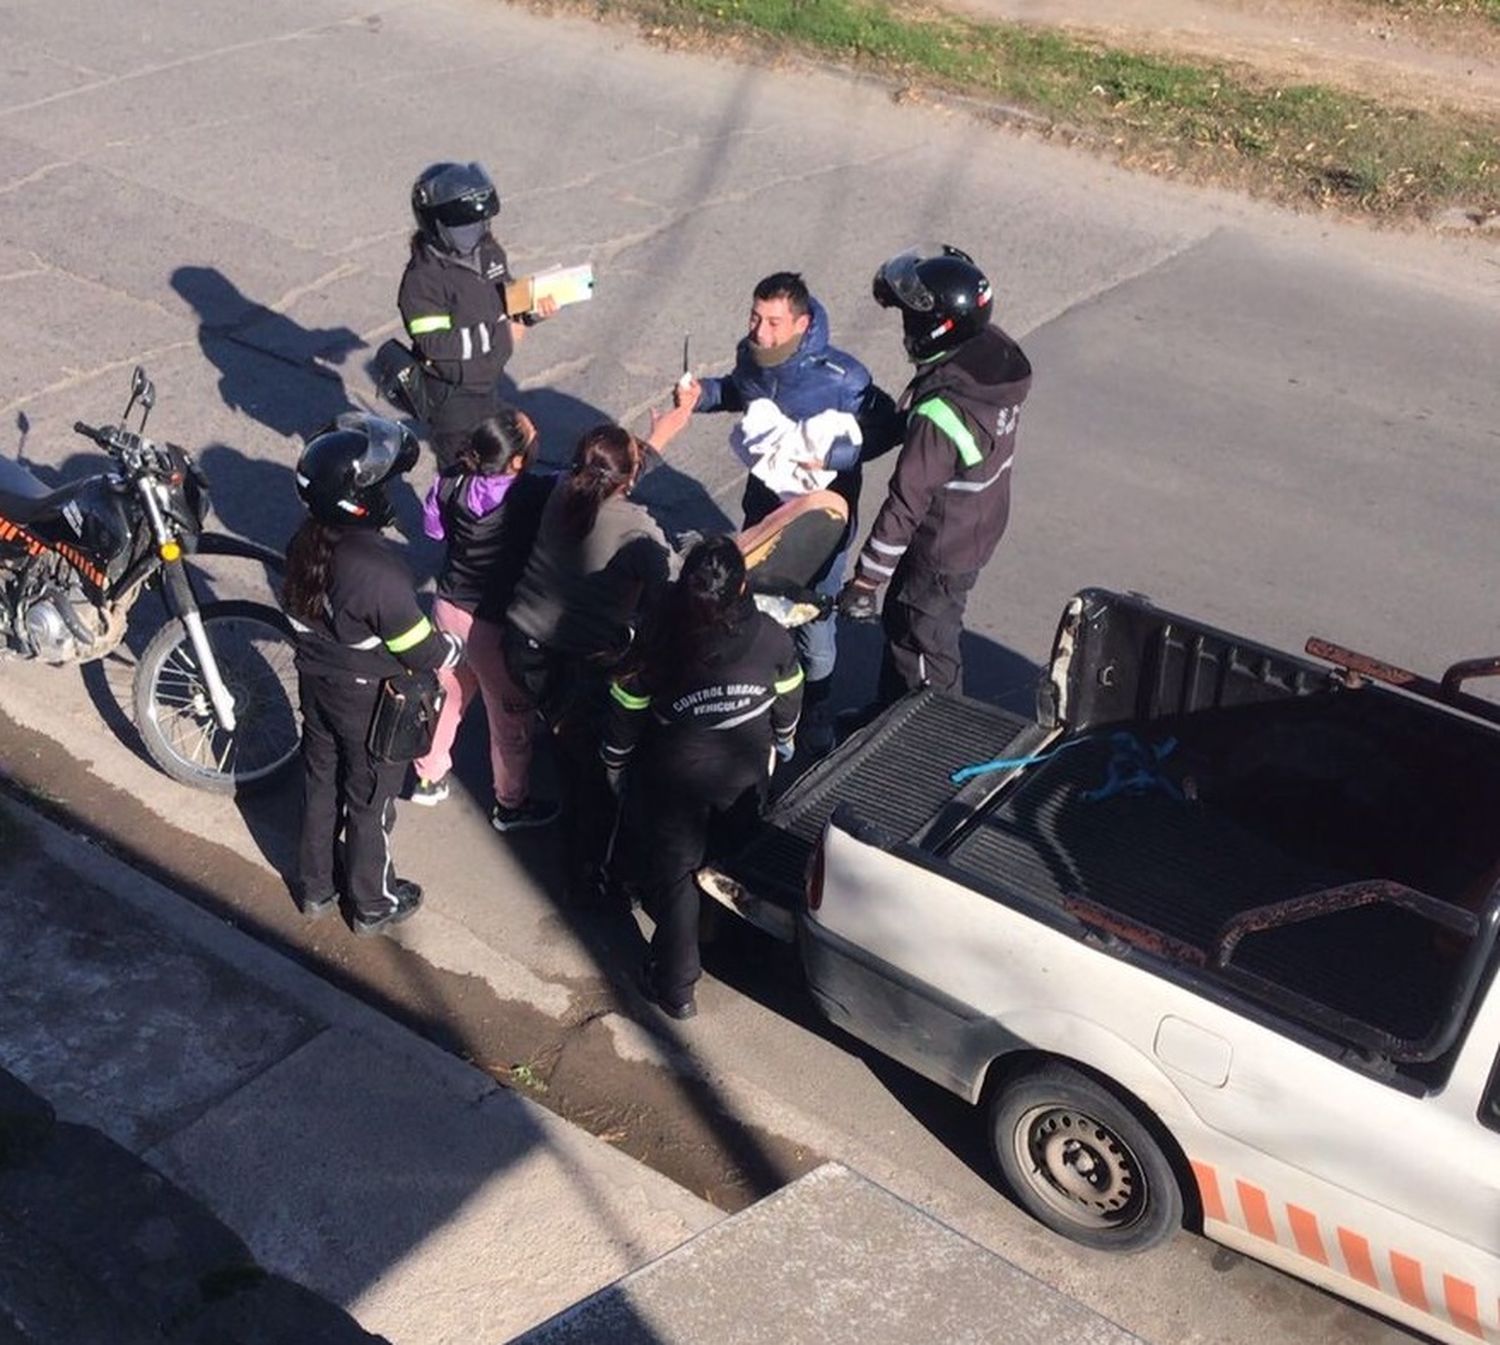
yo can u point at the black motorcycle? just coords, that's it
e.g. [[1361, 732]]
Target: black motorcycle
[[215, 688]]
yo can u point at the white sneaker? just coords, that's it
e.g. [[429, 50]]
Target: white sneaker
[[429, 793]]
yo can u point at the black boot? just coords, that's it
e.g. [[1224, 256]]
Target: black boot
[[405, 897]]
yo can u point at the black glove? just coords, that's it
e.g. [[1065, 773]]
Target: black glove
[[859, 602], [614, 777]]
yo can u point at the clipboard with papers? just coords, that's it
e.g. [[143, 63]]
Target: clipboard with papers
[[564, 285]]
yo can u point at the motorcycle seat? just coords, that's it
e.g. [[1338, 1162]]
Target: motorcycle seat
[[25, 499]]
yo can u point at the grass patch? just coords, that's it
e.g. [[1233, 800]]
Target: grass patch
[[1485, 9], [527, 1077], [1172, 115]]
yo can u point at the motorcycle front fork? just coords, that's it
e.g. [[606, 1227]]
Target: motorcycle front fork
[[182, 602]]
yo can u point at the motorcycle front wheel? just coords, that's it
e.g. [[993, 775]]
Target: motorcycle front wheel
[[252, 644]]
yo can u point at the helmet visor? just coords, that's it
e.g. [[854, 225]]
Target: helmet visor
[[390, 449], [470, 208], [899, 278]]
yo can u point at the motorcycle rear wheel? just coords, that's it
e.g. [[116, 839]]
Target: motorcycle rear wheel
[[253, 646]]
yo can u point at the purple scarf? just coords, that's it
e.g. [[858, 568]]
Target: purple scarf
[[485, 495]]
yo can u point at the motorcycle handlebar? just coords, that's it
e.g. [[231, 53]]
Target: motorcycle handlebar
[[100, 437]]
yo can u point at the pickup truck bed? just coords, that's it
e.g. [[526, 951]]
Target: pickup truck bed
[[1321, 848], [1159, 868], [894, 774]]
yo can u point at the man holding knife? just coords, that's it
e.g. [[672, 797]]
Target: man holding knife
[[785, 359]]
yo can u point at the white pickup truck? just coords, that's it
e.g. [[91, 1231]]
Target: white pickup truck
[[1214, 942]]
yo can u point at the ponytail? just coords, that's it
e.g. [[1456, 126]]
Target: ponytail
[[496, 441], [309, 558], [605, 464]]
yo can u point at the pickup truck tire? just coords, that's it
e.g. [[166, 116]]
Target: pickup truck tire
[[1079, 1159]]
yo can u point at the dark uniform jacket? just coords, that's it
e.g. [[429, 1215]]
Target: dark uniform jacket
[[712, 725], [454, 311], [372, 626], [949, 495]]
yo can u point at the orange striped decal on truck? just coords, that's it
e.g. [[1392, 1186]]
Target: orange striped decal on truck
[[1357, 1258], [1305, 1233], [1463, 1305], [1253, 1211]]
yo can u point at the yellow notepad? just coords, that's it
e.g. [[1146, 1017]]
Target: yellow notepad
[[563, 284]]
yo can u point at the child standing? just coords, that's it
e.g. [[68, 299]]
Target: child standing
[[487, 506]]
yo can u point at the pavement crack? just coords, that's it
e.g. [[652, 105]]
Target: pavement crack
[[94, 282], [197, 58], [340, 272], [36, 175], [1165, 257], [77, 377], [680, 145], [556, 373], [607, 249]]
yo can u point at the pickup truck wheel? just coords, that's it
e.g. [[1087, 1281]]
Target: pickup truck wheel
[[1079, 1160]]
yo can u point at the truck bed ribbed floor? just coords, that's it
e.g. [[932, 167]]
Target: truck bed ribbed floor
[[895, 774], [1183, 868]]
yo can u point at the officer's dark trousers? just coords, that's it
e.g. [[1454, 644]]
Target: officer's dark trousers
[[670, 825], [923, 616], [453, 420], [343, 786]]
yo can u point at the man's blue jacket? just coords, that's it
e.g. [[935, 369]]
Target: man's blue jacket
[[818, 377]]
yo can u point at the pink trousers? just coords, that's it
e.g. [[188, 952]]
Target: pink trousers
[[511, 715]]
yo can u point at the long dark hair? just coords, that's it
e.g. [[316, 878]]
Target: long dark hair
[[604, 463], [495, 441], [309, 557], [707, 604]]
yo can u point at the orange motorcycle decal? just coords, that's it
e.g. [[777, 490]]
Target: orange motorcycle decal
[[11, 532]]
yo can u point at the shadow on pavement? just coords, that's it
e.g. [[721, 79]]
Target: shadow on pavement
[[253, 348]]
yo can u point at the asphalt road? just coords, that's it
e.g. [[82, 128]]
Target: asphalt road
[[1279, 423]]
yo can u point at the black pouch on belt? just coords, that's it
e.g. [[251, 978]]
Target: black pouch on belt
[[406, 714], [402, 380]]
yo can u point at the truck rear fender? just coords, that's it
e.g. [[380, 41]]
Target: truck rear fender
[[1081, 1041]]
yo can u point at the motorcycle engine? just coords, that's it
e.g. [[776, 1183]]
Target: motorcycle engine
[[48, 634]]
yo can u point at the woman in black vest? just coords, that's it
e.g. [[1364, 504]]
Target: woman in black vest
[[487, 507]]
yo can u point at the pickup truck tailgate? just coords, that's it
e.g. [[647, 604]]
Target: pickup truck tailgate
[[895, 774]]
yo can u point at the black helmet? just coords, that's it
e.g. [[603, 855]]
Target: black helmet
[[342, 472], [943, 297], [452, 201]]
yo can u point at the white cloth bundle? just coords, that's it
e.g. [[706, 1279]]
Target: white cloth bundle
[[777, 449]]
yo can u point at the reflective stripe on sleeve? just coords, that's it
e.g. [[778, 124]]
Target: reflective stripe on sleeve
[[409, 639], [625, 698], [468, 343], [438, 322], [951, 423], [790, 683], [974, 486]]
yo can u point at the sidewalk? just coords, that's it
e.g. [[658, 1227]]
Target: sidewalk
[[203, 1144], [347, 1155]]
